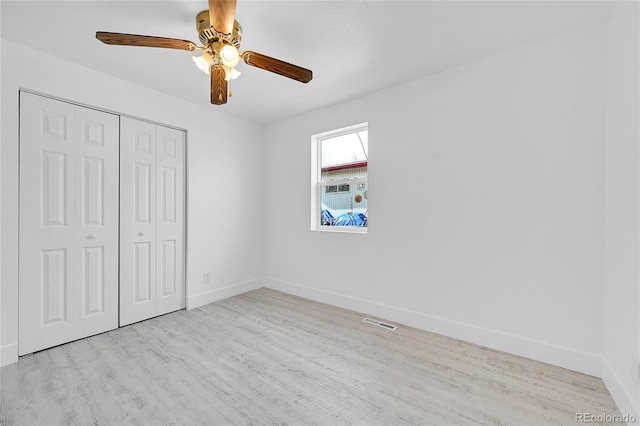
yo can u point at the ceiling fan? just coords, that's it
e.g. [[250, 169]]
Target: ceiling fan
[[220, 35]]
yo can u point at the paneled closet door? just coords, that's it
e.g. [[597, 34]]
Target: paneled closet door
[[68, 256], [151, 220], [170, 223]]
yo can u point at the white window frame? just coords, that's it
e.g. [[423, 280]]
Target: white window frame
[[317, 184]]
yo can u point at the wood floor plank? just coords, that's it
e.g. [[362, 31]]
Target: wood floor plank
[[266, 357]]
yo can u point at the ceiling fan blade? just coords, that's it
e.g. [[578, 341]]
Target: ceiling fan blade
[[218, 85], [221, 15], [277, 66], [144, 41]]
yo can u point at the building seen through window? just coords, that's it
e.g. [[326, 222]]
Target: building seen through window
[[342, 181]]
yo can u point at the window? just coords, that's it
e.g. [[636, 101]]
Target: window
[[339, 187]]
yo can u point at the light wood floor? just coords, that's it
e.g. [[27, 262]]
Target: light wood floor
[[266, 357]]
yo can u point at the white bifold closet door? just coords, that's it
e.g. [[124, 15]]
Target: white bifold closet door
[[68, 234], [152, 204]]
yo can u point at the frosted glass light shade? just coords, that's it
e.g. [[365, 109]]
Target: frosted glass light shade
[[230, 56], [203, 61]]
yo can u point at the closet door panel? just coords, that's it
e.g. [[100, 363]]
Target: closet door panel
[[137, 221], [170, 213], [97, 207], [68, 222], [152, 220]]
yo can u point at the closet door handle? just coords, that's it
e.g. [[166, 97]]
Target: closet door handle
[[141, 233], [91, 237]]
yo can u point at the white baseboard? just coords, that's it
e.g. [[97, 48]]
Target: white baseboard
[[552, 354], [8, 354], [621, 395], [540, 351], [222, 293]]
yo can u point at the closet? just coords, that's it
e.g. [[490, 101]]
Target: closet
[[101, 234]]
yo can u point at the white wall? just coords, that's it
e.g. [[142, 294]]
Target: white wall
[[224, 171], [486, 203], [1, 202], [622, 209]]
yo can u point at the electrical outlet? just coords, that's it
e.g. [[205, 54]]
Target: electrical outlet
[[207, 277]]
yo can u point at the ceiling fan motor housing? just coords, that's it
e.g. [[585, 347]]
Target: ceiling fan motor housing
[[207, 35]]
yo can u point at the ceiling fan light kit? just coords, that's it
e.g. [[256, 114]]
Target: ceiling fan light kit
[[220, 35]]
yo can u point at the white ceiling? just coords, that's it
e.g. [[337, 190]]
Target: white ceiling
[[353, 47]]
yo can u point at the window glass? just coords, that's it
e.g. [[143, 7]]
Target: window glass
[[344, 149], [340, 172]]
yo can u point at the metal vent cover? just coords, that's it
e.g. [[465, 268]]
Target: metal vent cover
[[380, 324]]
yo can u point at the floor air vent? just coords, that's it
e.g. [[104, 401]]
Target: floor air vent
[[380, 324]]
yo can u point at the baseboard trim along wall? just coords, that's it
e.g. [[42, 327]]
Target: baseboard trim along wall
[[222, 293], [619, 392], [555, 355], [8, 354], [540, 351]]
